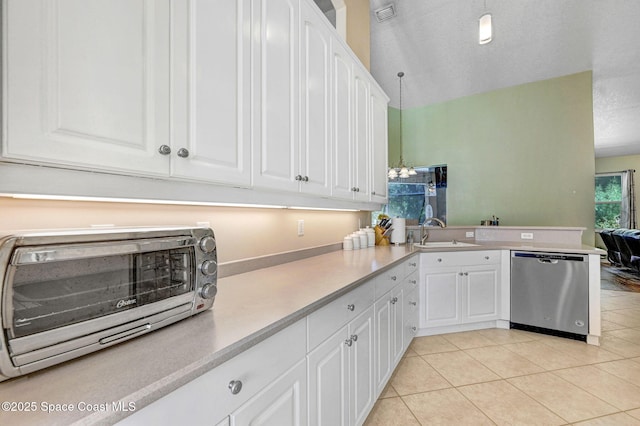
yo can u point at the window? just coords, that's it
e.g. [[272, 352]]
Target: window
[[608, 200]]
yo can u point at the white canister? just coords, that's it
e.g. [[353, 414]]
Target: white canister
[[356, 241], [347, 243], [364, 241], [371, 236]]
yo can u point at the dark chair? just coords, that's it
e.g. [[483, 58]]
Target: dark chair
[[623, 248], [613, 255], [632, 238]]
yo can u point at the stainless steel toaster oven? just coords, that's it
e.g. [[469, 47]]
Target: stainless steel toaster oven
[[70, 292]]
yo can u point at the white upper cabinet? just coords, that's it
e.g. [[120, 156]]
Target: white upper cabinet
[[342, 113], [361, 139], [379, 136], [315, 81], [275, 93], [210, 135], [87, 83]]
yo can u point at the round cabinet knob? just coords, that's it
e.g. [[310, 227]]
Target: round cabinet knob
[[351, 307], [235, 386], [414, 282], [354, 337], [413, 303], [439, 259], [305, 179], [393, 278], [353, 189], [394, 300], [164, 149], [466, 274], [348, 342], [413, 264], [209, 267], [487, 257], [208, 244], [299, 177], [357, 189], [414, 329], [373, 192], [209, 291], [460, 273], [183, 152]]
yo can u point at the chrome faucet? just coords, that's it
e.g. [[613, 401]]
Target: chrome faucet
[[424, 233]]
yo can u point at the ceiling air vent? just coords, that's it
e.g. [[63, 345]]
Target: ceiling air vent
[[385, 13]]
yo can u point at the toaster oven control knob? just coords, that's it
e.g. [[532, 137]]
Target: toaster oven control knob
[[208, 244], [209, 267], [208, 291]]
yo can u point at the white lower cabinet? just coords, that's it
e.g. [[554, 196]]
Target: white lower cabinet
[[283, 403], [239, 387], [341, 375], [389, 335], [410, 310], [466, 289]]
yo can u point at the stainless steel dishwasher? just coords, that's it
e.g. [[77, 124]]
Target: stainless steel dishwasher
[[550, 293]]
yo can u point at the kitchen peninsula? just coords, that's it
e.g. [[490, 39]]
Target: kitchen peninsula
[[250, 324]]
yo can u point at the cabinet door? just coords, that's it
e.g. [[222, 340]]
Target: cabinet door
[[328, 366], [275, 97], [87, 83], [315, 123], [361, 370], [397, 349], [361, 139], [283, 403], [409, 317], [439, 298], [210, 91], [481, 294], [383, 342], [342, 110], [379, 142]]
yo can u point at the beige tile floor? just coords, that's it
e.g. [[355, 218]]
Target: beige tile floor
[[509, 377]]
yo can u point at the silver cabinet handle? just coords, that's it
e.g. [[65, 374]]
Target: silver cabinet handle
[[164, 149], [413, 303], [413, 282], [394, 300], [354, 337], [298, 177], [353, 189], [373, 192], [183, 152], [351, 307], [413, 264], [235, 386], [348, 342]]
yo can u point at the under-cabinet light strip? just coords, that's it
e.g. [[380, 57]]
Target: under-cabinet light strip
[[170, 202]]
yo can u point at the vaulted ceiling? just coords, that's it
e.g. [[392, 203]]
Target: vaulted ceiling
[[435, 43]]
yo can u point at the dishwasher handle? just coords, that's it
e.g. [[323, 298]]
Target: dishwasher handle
[[550, 258], [546, 260]]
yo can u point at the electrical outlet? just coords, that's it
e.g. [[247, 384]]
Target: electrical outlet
[[300, 227], [469, 234], [526, 235]]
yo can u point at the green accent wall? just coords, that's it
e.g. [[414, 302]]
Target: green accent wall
[[524, 153]]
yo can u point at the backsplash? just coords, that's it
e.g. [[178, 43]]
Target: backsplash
[[241, 233]]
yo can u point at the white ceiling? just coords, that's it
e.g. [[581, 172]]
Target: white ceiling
[[435, 43]]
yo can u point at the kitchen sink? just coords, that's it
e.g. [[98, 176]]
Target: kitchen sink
[[444, 244]]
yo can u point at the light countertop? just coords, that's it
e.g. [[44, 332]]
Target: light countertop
[[249, 308]]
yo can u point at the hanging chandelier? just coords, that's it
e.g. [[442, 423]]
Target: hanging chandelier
[[401, 171]]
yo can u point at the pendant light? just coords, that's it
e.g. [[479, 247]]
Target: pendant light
[[401, 170], [485, 29]]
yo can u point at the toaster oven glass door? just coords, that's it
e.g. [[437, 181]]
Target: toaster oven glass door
[[66, 290]]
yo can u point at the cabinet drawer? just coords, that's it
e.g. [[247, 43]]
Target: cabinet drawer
[[411, 266], [327, 320], [388, 280], [255, 368], [460, 258]]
